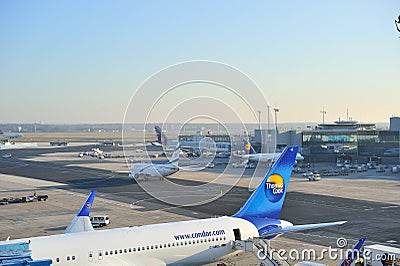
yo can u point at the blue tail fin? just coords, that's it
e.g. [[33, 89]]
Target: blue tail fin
[[353, 254], [161, 137], [248, 148], [81, 222], [85, 209], [267, 200], [159, 132]]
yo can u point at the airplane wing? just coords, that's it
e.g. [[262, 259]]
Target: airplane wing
[[81, 222], [294, 228]]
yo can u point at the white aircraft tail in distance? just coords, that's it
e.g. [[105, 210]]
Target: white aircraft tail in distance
[[252, 155], [160, 170], [193, 242]]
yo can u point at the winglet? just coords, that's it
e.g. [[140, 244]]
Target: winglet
[[81, 222], [85, 210]]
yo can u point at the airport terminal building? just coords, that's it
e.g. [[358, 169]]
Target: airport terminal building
[[352, 141]]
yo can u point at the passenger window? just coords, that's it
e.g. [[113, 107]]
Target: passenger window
[[57, 259], [73, 257], [90, 254], [197, 241], [120, 251], [125, 250], [169, 245], [190, 242], [148, 247], [111, 252], [116, 252], [106, 253], [68, 258], [185, 242], [134, 249], [130, 250]]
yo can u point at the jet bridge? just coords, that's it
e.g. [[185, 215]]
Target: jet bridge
[[19, 254], [262, 250]]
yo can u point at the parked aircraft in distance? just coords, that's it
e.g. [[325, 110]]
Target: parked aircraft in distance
[[179, 243], [252, 155], [196, 147], [10, 135], [146, 170]]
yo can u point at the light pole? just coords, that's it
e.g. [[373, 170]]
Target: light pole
[[276, 110], [268, 117], [259, 120], [323, 112]]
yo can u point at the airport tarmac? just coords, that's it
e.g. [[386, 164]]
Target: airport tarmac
[[371, 205], [19, 220]]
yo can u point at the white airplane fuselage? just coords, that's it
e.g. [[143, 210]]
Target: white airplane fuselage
[[266, 157], [148, 169], [180, 243]]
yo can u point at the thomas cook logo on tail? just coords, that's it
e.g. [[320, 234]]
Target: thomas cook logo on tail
[[88, 205], [274, 188]]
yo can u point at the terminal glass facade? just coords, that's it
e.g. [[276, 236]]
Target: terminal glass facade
[[359, 143]]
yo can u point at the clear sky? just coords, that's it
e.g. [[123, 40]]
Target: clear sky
[[80, 61]]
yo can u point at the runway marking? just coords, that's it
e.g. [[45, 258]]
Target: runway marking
[[322, 204], [389, 207], [181, 206]]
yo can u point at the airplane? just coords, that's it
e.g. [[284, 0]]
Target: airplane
[[159, 170], [10, 135], [252, 155], [196, 147], [178, 243]]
